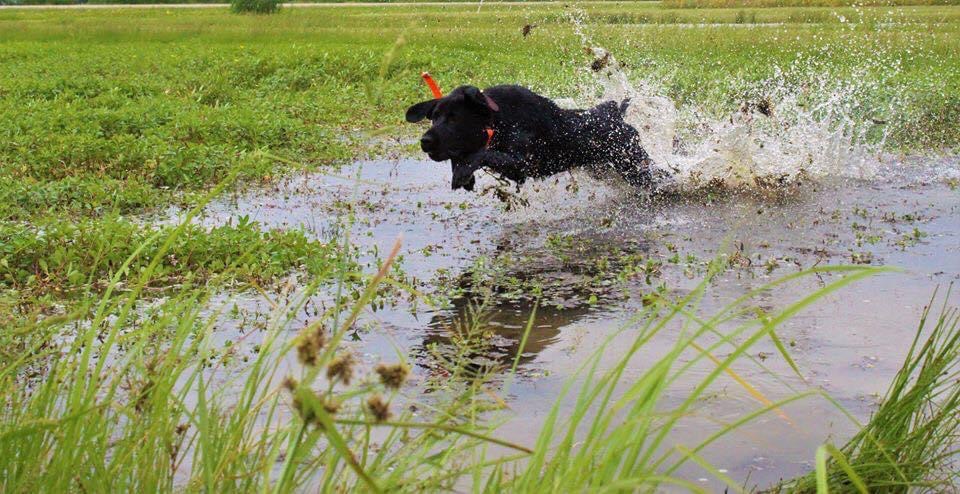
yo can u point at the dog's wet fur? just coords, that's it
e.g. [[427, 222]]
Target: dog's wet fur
[[533, 137]]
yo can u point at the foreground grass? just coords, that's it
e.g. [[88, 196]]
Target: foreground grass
[[912, 438], [164, 407]]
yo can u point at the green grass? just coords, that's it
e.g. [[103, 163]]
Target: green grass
[[728, 4], [161, 408], [61, 257], [154, 107]]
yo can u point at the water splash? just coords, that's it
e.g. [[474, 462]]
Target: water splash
[[798, 124]]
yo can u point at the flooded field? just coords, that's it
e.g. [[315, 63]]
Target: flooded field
[[597, 250], [225, 266]]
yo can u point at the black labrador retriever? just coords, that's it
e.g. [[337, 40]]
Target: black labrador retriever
[[519, 134]]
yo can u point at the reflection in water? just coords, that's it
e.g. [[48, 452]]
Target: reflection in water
[[564, 277], [495, 332]]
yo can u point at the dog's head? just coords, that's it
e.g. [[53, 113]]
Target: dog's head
[[459, 122]]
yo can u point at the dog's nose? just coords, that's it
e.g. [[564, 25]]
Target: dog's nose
[[427, 142]]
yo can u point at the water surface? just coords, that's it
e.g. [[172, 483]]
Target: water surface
[[849, 344]]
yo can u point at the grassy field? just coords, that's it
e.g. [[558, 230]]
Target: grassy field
[[730, 4], [156, 106], [107, 118]]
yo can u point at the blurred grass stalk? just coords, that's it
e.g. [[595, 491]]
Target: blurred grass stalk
[[130, 401]]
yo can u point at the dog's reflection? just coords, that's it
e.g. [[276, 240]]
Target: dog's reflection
[[482, 337], [576, 276]]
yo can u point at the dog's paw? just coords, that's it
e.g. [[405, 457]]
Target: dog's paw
[[463, 179]]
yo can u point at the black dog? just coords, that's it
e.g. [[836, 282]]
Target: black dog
[[519, 134]]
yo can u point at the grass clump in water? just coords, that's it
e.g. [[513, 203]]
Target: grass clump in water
[[913, 437]]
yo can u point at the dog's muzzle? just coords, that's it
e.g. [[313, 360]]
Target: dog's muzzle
[[428, 143]]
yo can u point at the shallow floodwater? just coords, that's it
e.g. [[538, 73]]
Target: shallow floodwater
[[849, 344]]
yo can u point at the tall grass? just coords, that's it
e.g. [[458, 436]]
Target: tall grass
[[913, 437], [132, 398]]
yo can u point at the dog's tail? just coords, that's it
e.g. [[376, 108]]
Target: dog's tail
[[623, 106]]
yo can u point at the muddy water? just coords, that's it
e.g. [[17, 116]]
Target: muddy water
[[849, 344]]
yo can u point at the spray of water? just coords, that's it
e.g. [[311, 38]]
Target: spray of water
[[797, 125], [811, 120]]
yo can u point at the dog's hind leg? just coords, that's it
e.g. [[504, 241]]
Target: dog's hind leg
[[633, 163]]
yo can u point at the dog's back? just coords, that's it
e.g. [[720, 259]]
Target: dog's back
[[557, 139], [598, 137]]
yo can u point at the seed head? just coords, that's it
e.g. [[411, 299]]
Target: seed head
[[290, 384], [306, 413], [311, 341], [341, 368], [393, 376], [331, 407], [378, 408]]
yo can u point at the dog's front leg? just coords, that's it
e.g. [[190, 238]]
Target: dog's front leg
[[508, 165], [462, 174]]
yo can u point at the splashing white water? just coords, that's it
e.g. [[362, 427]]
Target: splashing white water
[[778, 138], [808, 120]]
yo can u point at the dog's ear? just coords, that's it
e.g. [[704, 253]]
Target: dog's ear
[[478, 97], [420, 110]]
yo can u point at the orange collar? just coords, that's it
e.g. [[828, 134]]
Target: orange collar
[[489, 132]]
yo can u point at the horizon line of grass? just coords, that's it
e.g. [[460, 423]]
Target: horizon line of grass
[[732, 4]]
